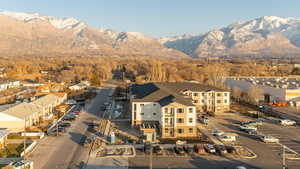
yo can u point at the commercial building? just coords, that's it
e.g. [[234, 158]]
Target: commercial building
[[273, 89], [172, 108], [16, 117]]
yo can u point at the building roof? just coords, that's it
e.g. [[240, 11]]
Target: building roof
[[3, 133], [46, 100], [22, 110], [166, 93], [6, 106]]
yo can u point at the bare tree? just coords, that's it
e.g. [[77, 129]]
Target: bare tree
[[255, 94]]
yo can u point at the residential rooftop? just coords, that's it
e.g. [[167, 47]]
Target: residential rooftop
[[168, 92]]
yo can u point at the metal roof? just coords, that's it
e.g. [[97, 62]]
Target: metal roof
[[22, 110]]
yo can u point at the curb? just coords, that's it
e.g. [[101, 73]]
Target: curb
[[248, 157]]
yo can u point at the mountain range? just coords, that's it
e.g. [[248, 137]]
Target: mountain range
[[35, 34], [265, 36]]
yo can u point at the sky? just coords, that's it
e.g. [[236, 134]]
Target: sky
[[157, 18]]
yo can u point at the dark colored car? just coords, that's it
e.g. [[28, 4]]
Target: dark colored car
[[179, 150], [64, 124], [158, 150], [188, 149], [221, 149], [230, 149]]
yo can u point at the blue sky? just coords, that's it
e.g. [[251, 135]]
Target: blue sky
[[157, 17]]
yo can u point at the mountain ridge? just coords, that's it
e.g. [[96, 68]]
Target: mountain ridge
[[34, 33], [257, 36]]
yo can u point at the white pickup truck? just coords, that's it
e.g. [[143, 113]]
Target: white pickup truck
[[287, 122]]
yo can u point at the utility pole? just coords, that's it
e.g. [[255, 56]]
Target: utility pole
[[283, 157], [150, 160], [24, 158]]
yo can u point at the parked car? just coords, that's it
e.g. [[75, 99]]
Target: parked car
[[22, 164], [209, 148], [287, 122], [188, 149], [240, 167], [251, 131], [179, 149], [221, 149], [227, 138], [158, 150], [230, 149], [270, 139], [199, 148], [217, 132], [64, 124], [58, 129], [247, 127]]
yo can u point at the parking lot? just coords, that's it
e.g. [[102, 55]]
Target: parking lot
[[269, 155]]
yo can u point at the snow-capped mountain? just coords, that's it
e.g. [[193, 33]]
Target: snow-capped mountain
[[39, 34], [265, 36]]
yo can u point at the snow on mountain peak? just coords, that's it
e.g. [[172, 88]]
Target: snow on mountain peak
[[59, 23]]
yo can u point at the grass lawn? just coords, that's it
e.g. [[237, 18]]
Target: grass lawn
[[12, 150]]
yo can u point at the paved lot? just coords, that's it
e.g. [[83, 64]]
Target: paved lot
[[65, 151], [269, 155]]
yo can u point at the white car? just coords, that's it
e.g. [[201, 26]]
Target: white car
[[217, 132], [227, 138], [248, 127], [270, 139], [287, 122]]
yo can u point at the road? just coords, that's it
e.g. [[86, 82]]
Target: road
[[65, 151]]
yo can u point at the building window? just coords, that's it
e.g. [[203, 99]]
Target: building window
[[218, 94], [191, 120], [195, 101], [202, 94], [190, 130], [142, 114], [225, 100], [195, 94], [166, 130], [134, 107], [154, 114], [180, 131], [191, 110], [180, 110], [180, 120], [134, 115], [166, 110], [202, 101], [142, 105], [209, 101], [154, 104], [166, 120], [225, 94], [218, 101], [172, 111]]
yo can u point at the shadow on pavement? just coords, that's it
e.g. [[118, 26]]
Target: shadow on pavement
[[77, 137]]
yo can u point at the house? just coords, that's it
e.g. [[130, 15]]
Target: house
[[18, 117], [171, 108], [8, 83], [3, 137]]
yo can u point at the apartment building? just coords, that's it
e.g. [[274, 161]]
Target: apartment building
[[173, 107]]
